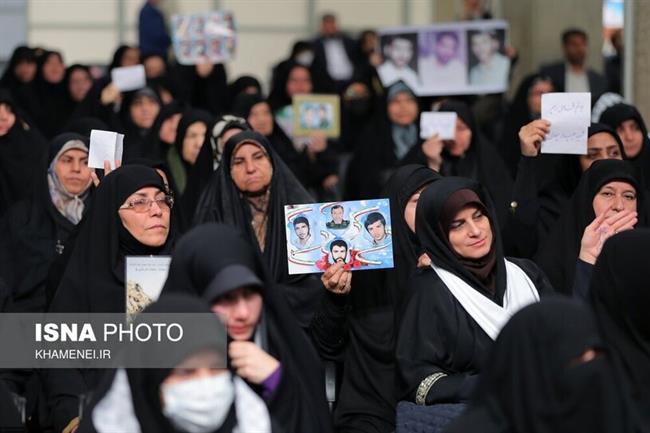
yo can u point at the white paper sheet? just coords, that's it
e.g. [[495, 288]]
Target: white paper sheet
[[105, 146], [129, 78], [438, 122], [570, 117]]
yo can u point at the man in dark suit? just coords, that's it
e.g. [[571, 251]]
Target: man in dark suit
[[572, 75], [335, 57]]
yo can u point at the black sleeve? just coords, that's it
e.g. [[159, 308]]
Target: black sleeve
[[328, 328], [582, 280], [63, 389]]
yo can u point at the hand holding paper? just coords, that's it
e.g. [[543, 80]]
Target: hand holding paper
[[105, 146], [570, 117], [438, 122]]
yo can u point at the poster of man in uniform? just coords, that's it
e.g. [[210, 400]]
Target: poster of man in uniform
[[204, 37], [447, 59], [355, 233]]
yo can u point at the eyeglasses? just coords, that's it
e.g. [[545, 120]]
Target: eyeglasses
[[143, 205]]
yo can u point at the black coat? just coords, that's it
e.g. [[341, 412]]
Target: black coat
[[557, 71]]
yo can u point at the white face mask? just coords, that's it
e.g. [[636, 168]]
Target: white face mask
[[199, 405]]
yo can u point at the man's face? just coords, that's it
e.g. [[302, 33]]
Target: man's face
[[575, 50], [446, 48], [483, 47], [302, 231], [337, 215], [339, 253], [400, 51], [377, 231]]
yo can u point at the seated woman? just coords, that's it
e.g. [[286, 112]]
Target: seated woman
[[36, 230], [130, 215], [544, 183], [266, 348], [609, 198], [457, 307], [621, 299], [565, 378], [198, 395], [249, 191]]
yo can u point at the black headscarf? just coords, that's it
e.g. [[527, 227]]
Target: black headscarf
[[84, 125], [116, 62], [22, 53], [155, 148], [534, 383], [481, 162], [621, 299], [221, 201], [614, 116], [94, 278], [434, 238], [35, 233], [190, 117], [558, 253], [298, 404], [278, 97], [145, 383], [238, 87], [136, 139], [54, 102], [23, 154]]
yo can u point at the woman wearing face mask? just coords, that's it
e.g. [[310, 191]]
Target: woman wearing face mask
[[609, 198], [468, 155], [266, 345], [53, 109], [446, 328], [36, 230], [360, 330], [249, 191], [549, 371], [296, 79], [545, 183], [130, 215], [621, 300], [525, 107], [23, 155], [629, 125], [198, 395]]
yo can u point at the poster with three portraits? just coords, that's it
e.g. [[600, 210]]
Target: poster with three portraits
[[355, 233], [467, 57]]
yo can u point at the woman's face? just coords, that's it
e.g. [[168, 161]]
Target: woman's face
[[130, 57], [535, 95], [403, 109], [632, 137], [53, 69], [79, 85], [409, 210], [261, 118], [72, 171], [251, 168], [144, 111], [154, 67], [7, 119], [193, 141], [470, 234], [151, 226], [240, 310], [168, 128], [299, 82], [25, 71], [462, 139], [600, 146], [614, 197]]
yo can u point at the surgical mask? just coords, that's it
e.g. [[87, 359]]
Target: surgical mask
[[199, 405], [305, 58]]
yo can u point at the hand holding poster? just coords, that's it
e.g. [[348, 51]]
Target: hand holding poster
[[356, 233], [446, 59], [204, 38]]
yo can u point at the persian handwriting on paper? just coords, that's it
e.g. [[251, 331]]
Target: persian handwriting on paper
[[572, 107]]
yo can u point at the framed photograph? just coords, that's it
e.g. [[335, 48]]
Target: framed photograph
[[316, 113], [355, 233]]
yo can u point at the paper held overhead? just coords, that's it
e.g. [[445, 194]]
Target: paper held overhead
[[438, 122], [570, 117], [105, 146]]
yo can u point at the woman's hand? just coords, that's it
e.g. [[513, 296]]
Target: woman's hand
[[107, 169], [532, 135], [337, 280], [110, 94], [600, 230], [250, 362], [432, 149]]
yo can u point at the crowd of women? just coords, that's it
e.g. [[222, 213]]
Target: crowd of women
[[517, 303]]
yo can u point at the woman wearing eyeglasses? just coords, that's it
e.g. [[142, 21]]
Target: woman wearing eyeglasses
[[130, 216]]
